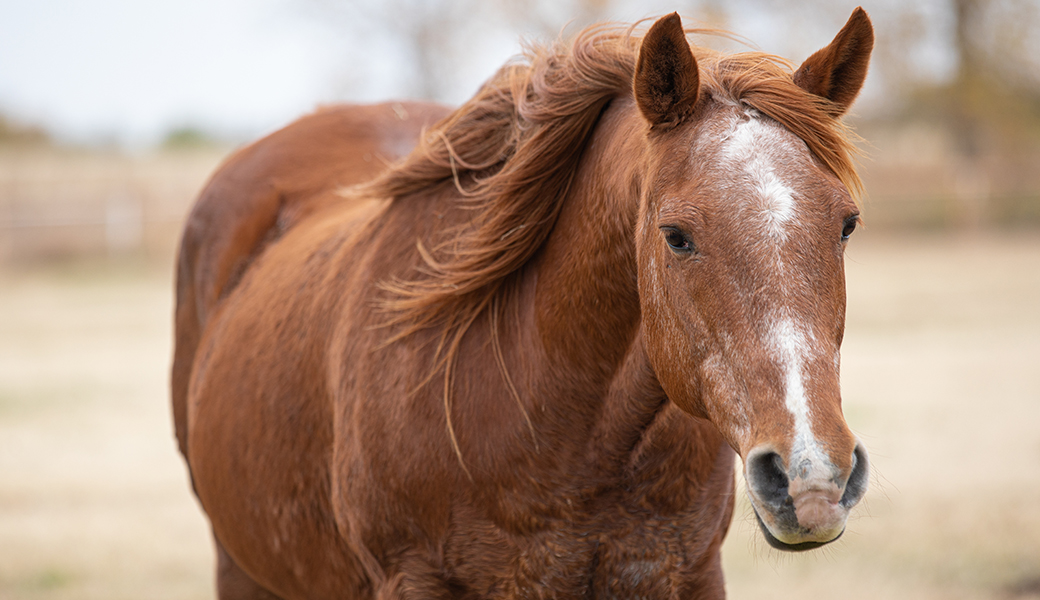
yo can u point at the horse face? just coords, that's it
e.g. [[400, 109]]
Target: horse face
[[741, 277]]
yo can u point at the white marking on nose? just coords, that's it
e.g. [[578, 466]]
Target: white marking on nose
[[792, 345]]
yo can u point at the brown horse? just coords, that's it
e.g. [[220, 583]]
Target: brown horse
[[517, 363]]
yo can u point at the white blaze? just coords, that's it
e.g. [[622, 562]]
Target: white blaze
[[778, 202], [793, 346], [753, 147]]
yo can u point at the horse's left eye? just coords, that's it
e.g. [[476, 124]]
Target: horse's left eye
[[850, 226], [677, 240]]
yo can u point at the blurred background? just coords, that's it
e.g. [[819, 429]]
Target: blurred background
[[114, 112]]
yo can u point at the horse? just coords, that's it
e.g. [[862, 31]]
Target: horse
[[520, 361]]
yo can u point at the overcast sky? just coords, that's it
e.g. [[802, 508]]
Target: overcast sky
[[130, 70], [134, 68]]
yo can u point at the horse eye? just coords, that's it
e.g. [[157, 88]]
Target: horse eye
[[850, 226], [677, 240]]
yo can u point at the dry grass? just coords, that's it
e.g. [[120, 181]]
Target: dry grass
[[941, 381], [94, 500]]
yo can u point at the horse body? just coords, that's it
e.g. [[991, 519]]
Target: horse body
[[303, 472], [568, 428]]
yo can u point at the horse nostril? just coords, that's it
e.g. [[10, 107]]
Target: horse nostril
[[767, 478], [857, 484]]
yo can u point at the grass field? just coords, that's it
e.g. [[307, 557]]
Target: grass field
[[941, 380]]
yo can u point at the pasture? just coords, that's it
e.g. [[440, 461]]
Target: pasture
[[941, 380]]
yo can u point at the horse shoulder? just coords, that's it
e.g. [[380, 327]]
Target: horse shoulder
[[249, 245], [261, 191]]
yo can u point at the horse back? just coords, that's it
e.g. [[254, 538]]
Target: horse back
[[260, 192]]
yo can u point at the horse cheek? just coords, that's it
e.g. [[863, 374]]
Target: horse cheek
[[672, 357]]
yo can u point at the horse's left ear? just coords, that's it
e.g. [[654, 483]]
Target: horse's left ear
[[666, 81], [837, 72]]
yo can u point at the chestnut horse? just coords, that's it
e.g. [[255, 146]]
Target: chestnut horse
[[518, 362]]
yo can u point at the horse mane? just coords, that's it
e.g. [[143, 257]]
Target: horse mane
[[512, 151]]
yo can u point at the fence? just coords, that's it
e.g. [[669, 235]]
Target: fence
[[57, 203]]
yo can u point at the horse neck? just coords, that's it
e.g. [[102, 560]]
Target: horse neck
[[587, 302], [586, 307]]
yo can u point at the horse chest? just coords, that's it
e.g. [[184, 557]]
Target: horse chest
[[650, 560], [618, 553], [660, 556], [655, 533], [653, 560]]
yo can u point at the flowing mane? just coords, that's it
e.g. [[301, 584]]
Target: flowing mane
[[512, 151]]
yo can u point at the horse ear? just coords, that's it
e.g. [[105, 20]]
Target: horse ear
[[666, 81], [837, 71]]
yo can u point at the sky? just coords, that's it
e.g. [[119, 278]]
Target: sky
[[129, 71], [132, 69]]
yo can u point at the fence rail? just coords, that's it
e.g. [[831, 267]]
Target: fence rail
[[57, 204]]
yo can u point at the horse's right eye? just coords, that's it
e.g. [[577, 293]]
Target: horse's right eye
[[677, 241]]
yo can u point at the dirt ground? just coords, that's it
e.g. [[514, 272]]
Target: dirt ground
[[941, 380]]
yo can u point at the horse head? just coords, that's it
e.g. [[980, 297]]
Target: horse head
[[744, 215]]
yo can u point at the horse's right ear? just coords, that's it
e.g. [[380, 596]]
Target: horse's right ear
[[666, 81]]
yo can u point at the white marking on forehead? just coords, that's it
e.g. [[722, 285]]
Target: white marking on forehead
[[754, 145], [793, 345], [752, 154]]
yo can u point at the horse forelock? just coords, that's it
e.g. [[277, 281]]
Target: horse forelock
[[765, 83]]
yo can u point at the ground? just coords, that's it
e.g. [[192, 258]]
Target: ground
[[940, 378]]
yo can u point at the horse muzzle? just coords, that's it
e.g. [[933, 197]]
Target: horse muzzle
[[804, 507]]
